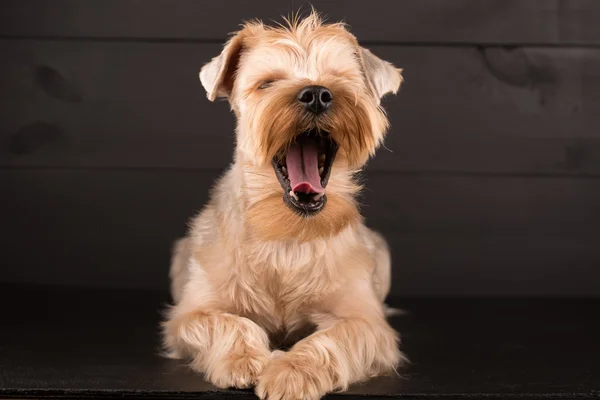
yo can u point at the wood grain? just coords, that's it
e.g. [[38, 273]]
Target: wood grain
[[140, 105]]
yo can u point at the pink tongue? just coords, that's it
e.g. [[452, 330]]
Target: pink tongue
[[302, 161]]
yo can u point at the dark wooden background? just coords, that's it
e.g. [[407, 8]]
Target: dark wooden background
[[490, 187]]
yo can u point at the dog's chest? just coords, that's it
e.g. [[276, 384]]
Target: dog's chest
[[280, 285]]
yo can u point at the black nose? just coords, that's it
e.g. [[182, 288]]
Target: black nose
[[315, 98]]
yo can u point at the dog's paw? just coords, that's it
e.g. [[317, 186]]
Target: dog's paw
[[285, 380], [239, 370]]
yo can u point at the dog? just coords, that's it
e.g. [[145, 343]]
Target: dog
[[281, 249]]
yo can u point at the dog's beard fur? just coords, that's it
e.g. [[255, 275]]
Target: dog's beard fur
[[269, 219], [274, 120], [252, 264]]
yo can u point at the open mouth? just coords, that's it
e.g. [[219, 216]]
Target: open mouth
[[303, 171]]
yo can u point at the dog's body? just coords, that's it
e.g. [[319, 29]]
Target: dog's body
[[281, 247]]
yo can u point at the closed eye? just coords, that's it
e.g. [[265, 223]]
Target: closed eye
[[265, 84]]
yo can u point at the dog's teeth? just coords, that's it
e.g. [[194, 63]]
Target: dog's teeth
[[319, 195], [321, 170], [284, 170], [322, 157], [293, 194]]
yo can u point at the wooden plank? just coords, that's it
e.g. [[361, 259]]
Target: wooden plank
[[553, 22], [104, 228], [481, 236], [110, 104], [454, 236], [525, 110], [133, 19], [468, 21], [137, 105]]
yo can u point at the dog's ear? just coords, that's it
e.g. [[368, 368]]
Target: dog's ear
[[217, 76], [382, 76]]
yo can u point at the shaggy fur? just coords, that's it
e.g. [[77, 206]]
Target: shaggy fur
[[252, 271]]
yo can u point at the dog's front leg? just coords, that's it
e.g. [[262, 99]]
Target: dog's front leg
[[353, 342], [230, 350]]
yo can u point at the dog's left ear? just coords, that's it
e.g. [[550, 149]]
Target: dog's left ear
[[217, 76], [382, 76]]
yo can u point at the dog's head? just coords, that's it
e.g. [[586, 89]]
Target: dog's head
[[307, 97]]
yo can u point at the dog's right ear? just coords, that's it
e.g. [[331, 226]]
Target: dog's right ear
[[217, 76]]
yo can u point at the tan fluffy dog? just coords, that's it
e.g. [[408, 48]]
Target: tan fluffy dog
[[281, 245]]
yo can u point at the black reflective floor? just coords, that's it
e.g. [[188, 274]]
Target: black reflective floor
[[90, 343]]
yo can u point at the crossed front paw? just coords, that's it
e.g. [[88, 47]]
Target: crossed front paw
[[239, 370], [284, 379]]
